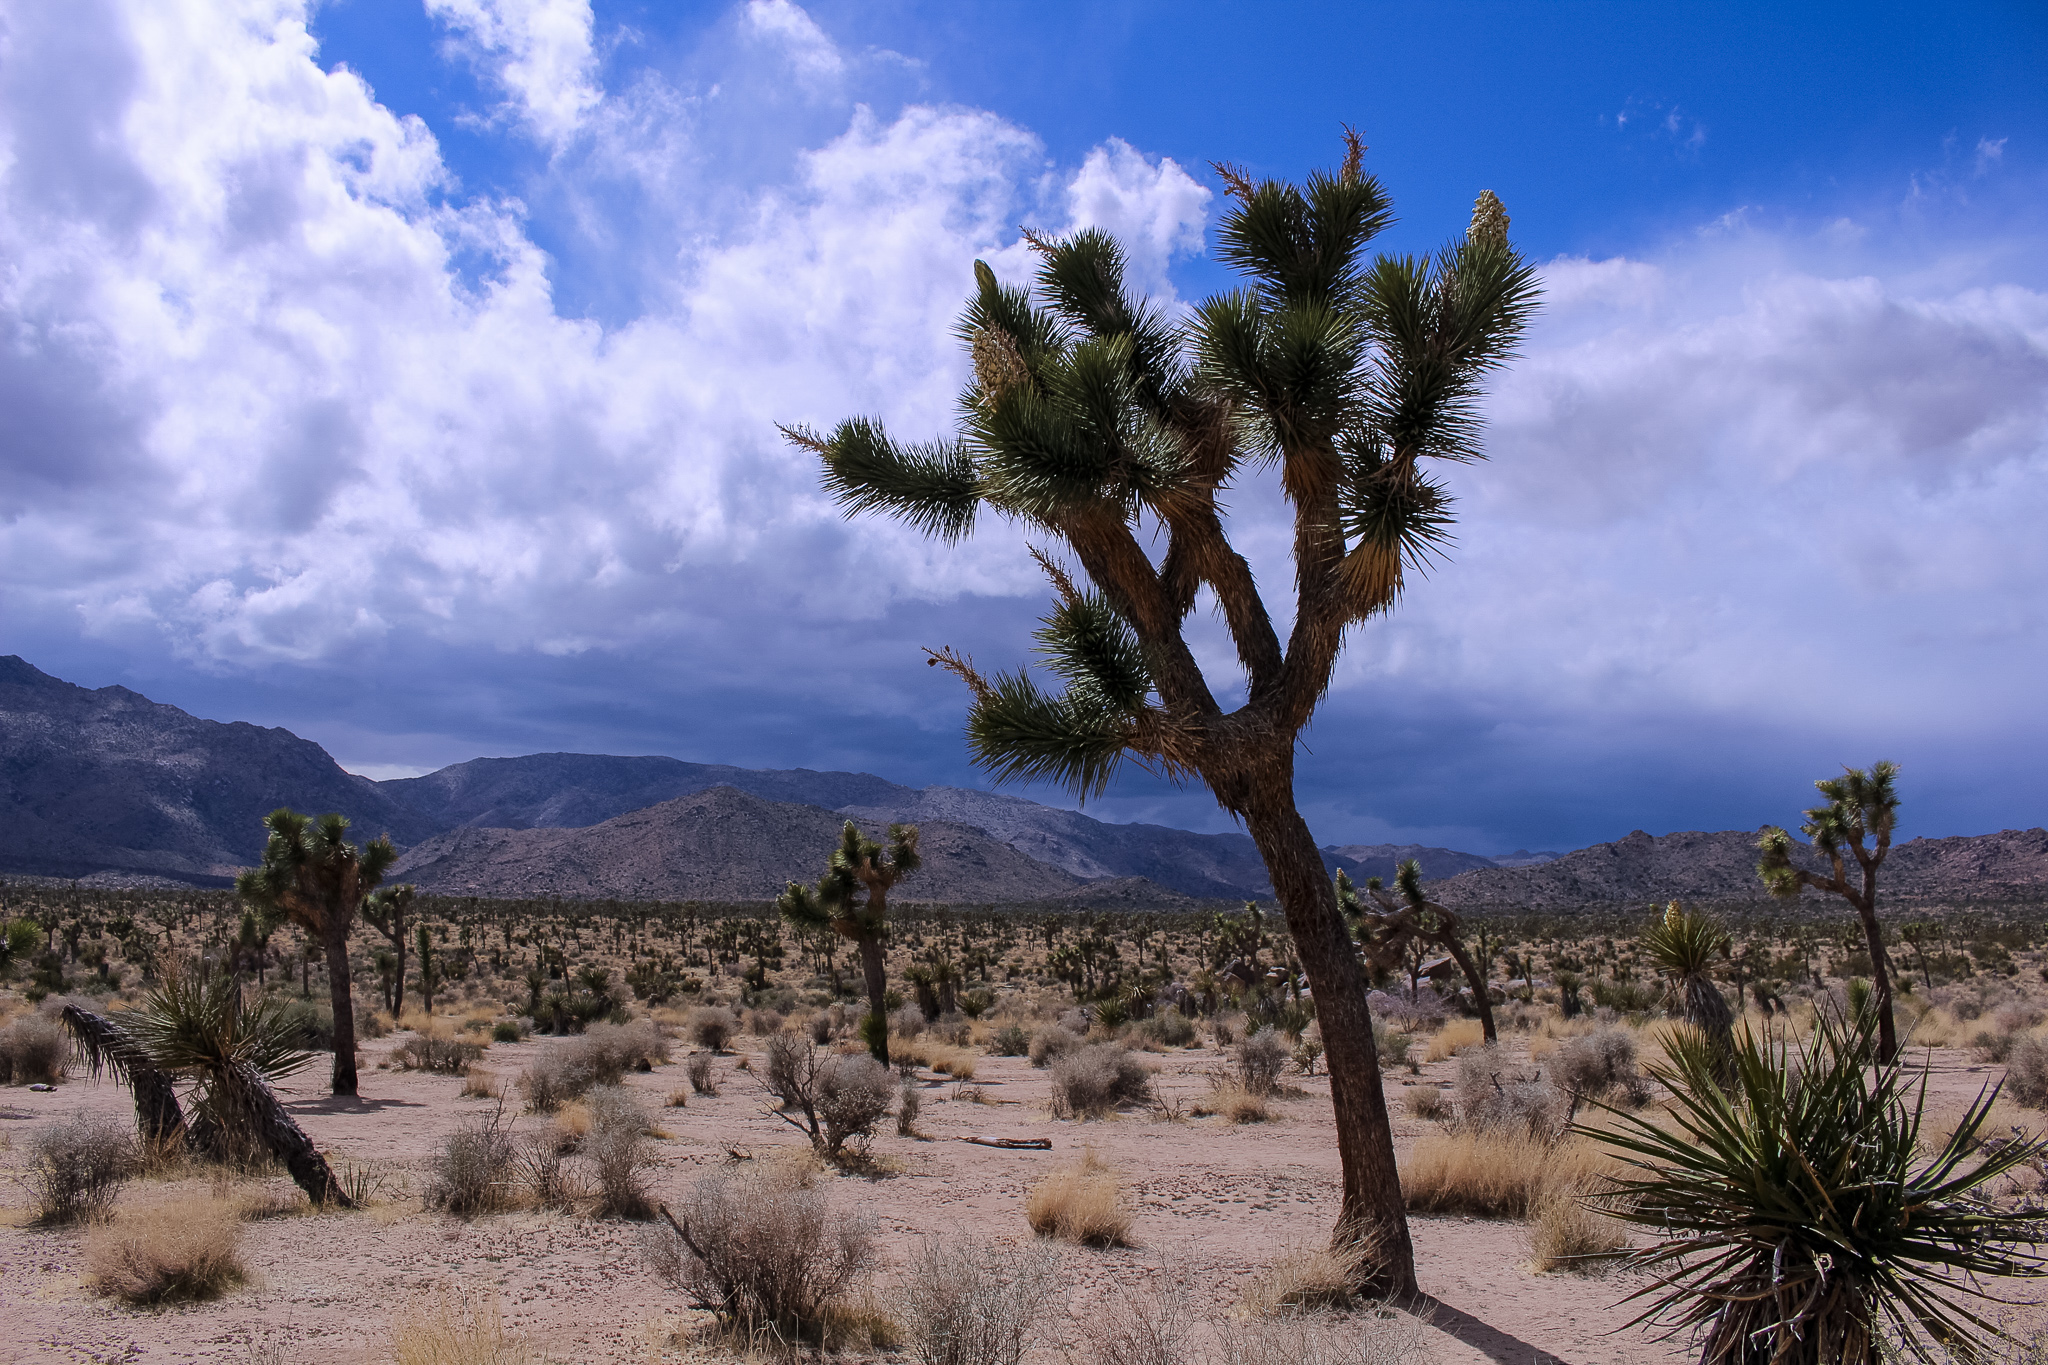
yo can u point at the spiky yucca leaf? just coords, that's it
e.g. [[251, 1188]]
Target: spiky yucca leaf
[[1797, 1220]]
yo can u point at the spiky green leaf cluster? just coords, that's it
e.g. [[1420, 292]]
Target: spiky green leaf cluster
[[1683, 943], [1795, 1214]]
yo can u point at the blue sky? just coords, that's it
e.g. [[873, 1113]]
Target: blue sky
[[406, 375]]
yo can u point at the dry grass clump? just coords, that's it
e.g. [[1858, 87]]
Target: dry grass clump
[[1567, 1233], [1092, 1081], [1155, 1323], [481, 1085], [77, 1167], [935, 1053], [1428, 1102], [450, 1330], [968, 1303], [472, 1172], [1081, 1203], [1229, 1099], [769, 1256], [32, 1050], [1304, 1279], [1454, 1038], [169, 1254], [1494, 1173], [703, 1073]]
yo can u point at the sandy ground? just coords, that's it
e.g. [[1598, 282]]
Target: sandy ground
[[1213, 1202]]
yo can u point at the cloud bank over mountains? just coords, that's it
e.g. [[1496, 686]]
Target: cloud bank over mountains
[[291, 401]]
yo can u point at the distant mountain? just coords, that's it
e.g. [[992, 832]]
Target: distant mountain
[[1721, 866], [726, 844], [567, 791], [1382, 860], [108, 781], [1205, 866]]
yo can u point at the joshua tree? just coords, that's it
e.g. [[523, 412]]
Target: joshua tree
[[1861, 806], [1415, 920], [313, 876], [1682, 946], [853, 899], [1099, 422], [386, 911]]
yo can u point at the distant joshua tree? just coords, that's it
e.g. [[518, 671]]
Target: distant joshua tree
[[1857, 820], [1103, 424], [852, 898], [388, 911], [1408, 923], [313, 876]]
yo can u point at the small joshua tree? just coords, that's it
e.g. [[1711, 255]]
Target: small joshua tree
[[853, 899], [1857, 820], [1402, 926], [387, 911], [313, 876]]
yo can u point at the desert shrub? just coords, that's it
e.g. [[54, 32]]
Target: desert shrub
[[1600, 1064], [1494, 1173], [310, 1022], [600, 1056], [1405, 1013], [168, 1254], [435, 1052], [907, 1022], [967, 1303], [1050, 1044], [765, 1254], [2026, 1073], [505, 1031], [1171, 1029], [456, 1331], [544, 1169], [1225, 1029], [703, 1073], [951, 1029], [853, 1096], [1305, 1278], [765, 1023], [77, 1167], [1080, 1203], [1260, 1059], [712, 1026], [907, 1104], [1097, 1078], [617, 1152], [1567, 1233], [471, 1172], [1394, 1048], [1009, 1041], [1312, 1339], [1993, 1045], [1150, 1323], [1495, 1095], [32, 1049], [820, 1026], [1429, 1102]]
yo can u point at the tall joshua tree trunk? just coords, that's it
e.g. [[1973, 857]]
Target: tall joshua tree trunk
[[1372, 1209], [341, 999], [874, 976]]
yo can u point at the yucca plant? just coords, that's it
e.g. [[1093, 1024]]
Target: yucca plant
[[1799, 1225], [1683, 947], [199, 1027]]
